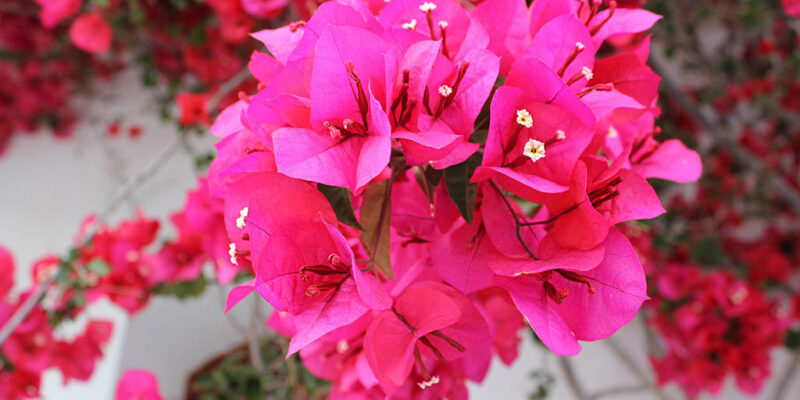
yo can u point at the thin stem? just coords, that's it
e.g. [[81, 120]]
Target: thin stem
[[252, 340], [631, 365], [569, 374], [618, 390], [789, 375], [517, 223], [119, 197]]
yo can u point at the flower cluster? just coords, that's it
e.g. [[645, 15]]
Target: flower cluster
[[415, 179], [33, 347], [52, 49], [714, 325], [116, 264]]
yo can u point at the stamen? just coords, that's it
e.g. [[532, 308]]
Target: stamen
[[577, 278], [232, 253], [410, 25], [361, 97], [579, 47], [427, 7], [426, 384], [534, 150], [601, 87], [445, 90], [443, 32], [556, 295], [240, 222], [524, 118], [612, 6], [587, 73]]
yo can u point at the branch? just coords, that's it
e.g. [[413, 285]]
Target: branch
[[577, 390], [631, 365], [120, 196], [618, 390], [517, 224], [717, 128], [789, 374]]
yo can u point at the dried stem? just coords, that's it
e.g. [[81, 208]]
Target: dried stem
[[116, 200], [569, 373], [120, 196], [635, 369], [789, 375]]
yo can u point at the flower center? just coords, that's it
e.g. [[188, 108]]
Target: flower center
[[534, 150]]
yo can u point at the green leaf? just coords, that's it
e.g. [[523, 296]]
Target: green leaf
[[376, 212], [339, 198], [99, 267], [462, 192], [793, 339], [183, 290]]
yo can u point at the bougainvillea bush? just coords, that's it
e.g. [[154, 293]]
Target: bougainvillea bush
[[416, 186]]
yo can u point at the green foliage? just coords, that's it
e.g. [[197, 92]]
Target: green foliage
[[376, 211], [233, 377], [342, 204], [182, 290], [793, 339], [544, 382], [461, 191]]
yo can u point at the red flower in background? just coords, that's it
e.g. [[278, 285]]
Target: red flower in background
[[91, 33]]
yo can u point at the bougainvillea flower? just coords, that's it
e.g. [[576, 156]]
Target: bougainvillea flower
[[613, 22], [6, 272], [349, 144], [91, 33], [193, 108], [531, 144], [138, 385], [532, 250], [443, 20], [76, 359], [429, 320], [264, 9], [506, 23], [54, 11], [597, 199], [564, 306]]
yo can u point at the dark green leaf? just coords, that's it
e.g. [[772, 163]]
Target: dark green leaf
[[376, 212], [462, 192], [183, 290], [339, 198], [793, 339]]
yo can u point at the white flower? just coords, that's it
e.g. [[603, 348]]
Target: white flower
[[445, 90], [427, 6], [232, 253], [524, 118], [240, 222], [410, 25], [534, 150]]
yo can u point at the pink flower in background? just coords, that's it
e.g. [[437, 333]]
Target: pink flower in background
[[138, 385], [54, 11], [264, 8], [91, 33], [193, 108], [6, 272], [792, 7]]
